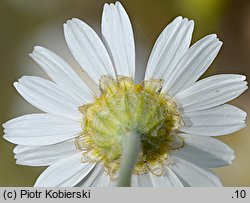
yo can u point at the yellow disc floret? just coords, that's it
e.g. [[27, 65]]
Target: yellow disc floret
[[125, 106]]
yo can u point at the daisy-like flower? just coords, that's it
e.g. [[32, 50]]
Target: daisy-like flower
[[81, 132]]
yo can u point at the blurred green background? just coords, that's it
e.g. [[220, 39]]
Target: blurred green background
[[26, 23]]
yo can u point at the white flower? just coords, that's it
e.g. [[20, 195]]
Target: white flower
[[79, 135]]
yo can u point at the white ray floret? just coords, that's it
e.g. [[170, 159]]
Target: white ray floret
[[211, 92], [40, 130], [88, 49], [66, 172], [193, 64], [62, 74], [48, 97], [79, 136], [44, 155], [205, 151], [216, 121], [194, 175], [118, 34], [169, 48]]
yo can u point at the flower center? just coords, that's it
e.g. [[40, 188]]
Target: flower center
[[123, 107]]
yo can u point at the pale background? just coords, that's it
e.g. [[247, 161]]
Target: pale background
[[26, 23]]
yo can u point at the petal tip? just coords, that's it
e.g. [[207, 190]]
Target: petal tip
[[4, 125], [117, 3], [212, 36], [15, 150], [65, 24], [220, 43], [179, 18], [76, 20], [231, 157], [243, 77], [16, 84], [191, 23], [38, 48], [6, 137], [105, 6], [68, 22], [31, 54]]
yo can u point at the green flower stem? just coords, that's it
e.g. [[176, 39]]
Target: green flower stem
[[130, 151]]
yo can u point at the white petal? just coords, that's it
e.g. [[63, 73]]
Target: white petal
[[96, 178], [62, 74], [211, 92], [193, 175], [112, 183], [193, 64], [88, 49], [168, 179], [102, 180], [40, 130], [44, 156], [170, 46], [89, 180], [48, 97], [66, 172], [144, 180], [134, 181], [205, 151], [118, 34], [220, 120]]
